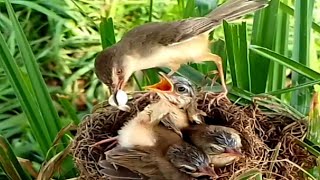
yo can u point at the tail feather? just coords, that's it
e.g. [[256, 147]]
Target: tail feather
[[233, 9]]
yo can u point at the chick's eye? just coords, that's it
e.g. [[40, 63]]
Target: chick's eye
[[187, 169], [182, 89], [216, 149]]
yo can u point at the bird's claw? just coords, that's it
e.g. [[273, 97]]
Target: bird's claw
[[222, 95]]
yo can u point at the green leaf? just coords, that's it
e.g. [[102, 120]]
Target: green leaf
[[277, 77], [294, 88], [38, 87], [107, 32], [262, 35], [237, 52], [37, 7], [289, 63], [301, 50], [10, 163], [290, 11], [25, 97]]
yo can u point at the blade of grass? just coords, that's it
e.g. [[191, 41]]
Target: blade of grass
[[44, 101], [37, 7], [300, 86], [25, 97], [65, 102], [189, 10], [10, 163], [290, 11], [107, 32], [237, 52], [301, 50], [276, 79], [289, 63], [264, 36], [150, 10], [248, 174]]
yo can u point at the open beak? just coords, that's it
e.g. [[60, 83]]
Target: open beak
[[165, 85], [207, 171]]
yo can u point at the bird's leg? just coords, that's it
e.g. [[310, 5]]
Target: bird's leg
[[174, 68], [214, 79], [217, 60], [113, 141]]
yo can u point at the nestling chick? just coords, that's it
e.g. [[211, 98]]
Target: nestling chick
[[170, 158], [175, 109], [176, 94], [222, 144]]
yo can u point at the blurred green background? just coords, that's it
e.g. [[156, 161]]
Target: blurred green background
[[46, 65]]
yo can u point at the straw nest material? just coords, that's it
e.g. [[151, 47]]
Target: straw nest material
[[270, 143]]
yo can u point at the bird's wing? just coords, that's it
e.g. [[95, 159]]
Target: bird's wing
[[136, 160], [170, 33], [113, 171], [167, 122]]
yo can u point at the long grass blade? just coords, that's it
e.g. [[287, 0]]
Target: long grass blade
[[284, 7], [301, 50], [44, 101], [276, 79], [25, 97], [237, 51], [264, 36], [10, 163], [290, 89], [289, 63]]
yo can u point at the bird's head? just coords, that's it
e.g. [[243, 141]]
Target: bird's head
[[176, 89], [112, 69], [221, 140], [190, 160]]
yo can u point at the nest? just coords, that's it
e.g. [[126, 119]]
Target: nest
[[270, 143]]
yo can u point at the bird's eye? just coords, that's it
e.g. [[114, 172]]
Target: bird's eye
[[181, 89], [187, 169], [216, 149], [119, 71]]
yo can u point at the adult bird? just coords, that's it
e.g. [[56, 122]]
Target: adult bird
[[168, 44], [168, 158], [176, 109], [222, 144]]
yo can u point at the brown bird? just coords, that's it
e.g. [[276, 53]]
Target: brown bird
[[222, 144], [178, 110], [168, 44], [169, 158]]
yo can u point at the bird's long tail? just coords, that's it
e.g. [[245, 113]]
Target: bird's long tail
[[233, 9]]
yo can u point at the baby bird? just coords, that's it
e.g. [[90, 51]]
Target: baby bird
[[222, 144], [170, 158], [176, 95], [176, 109]]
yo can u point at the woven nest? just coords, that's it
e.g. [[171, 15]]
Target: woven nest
[[270, 143]]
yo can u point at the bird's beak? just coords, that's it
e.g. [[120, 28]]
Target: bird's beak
[[119, 86], [207, 171], [165, 85], [234, 152]]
